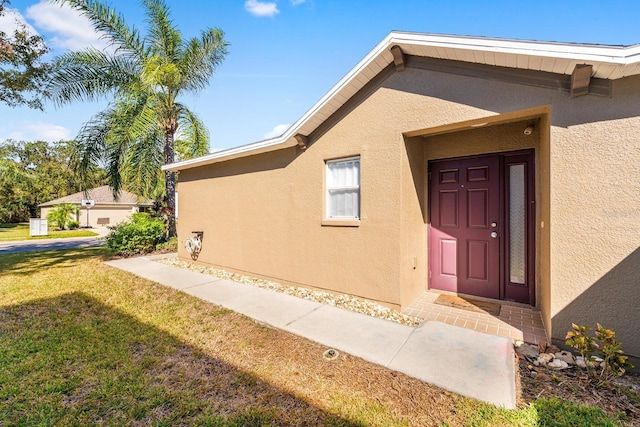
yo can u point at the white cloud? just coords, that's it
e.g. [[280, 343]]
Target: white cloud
[[38, 131], [259, 8], [297, 2], [11, 19], [68, 29], [277, 131]]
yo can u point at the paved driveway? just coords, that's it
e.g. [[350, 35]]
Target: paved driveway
[[49, 244]]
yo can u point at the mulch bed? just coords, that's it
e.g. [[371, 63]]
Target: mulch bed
[[615, 398]]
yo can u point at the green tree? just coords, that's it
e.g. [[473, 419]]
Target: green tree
[[61, 213], [35, 172], [143, 76], [22, 72]]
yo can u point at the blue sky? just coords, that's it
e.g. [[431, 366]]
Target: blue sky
[[285, 55]]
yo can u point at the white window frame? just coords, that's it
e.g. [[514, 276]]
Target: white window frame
[[331, 187]]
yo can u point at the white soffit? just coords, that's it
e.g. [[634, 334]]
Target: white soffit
[[609, 62]]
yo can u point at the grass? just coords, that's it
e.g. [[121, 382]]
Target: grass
[[84, 344], [20, 231]]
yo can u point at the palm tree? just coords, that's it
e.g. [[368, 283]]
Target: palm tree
[[143, 76]]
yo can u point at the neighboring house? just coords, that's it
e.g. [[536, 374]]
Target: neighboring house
[[497, 168], [107, 210]]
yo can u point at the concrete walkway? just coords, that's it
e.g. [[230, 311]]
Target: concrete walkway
[[460, 360]]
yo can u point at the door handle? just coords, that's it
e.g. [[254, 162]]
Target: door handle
[[494, 234]]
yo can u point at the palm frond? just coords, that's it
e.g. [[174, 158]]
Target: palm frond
[[112, 24], [164, 40], [137, 123], [89, 145], [145, 76], [89, 75], [114, 158], [193, 137], [142, 171], [201, 57]]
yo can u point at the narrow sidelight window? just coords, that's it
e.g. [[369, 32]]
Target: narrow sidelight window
[[343, 188], [517, 224]]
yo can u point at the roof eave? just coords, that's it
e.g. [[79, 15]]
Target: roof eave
[[617, 56], [284, 141]]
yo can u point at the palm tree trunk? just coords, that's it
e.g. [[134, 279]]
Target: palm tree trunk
[[170, 185]]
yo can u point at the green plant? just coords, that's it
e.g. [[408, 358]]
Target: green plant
[[73, 225], [145, 78], [581, 341], [603, 345], [59, 215], [615, 362], [141, 234], [170, 245]]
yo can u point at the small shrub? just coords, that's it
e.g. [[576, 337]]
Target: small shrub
[[604, 345], [73, 225], [139, 235], [579, 339], [170, 245], [59, 215], [615, 362]]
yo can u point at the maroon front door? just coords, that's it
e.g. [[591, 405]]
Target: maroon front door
[[480, 236]]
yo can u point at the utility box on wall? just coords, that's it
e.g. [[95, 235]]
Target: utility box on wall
[[38, 227]]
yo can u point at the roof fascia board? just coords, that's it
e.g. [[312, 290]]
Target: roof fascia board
[[621, 55]]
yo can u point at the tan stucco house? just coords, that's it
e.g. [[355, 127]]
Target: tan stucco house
[[503, 169], [107, 210]]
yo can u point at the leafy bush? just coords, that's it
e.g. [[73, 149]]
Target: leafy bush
[[139, 235], [170, 245], [59, 215], [73, 225], [604, 345]]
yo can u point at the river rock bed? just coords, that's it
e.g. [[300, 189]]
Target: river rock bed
[[348, 302]]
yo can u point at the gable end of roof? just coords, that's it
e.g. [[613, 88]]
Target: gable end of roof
[[552, 64]]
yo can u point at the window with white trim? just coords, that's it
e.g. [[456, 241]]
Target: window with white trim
[[343, 188]]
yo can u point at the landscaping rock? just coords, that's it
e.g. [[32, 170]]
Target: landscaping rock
[[544, 359], [552, 349], [527, 351], [348, 302], [565, 356], [582, 363], [558, 364]]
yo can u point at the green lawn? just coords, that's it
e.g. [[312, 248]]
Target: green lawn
[[85, 344], [21, 232]]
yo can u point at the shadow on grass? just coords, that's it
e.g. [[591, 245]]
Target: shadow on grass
[[33, 262], [72, 360], [7, 226]]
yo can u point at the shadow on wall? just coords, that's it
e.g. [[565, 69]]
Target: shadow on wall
[[500, 97], [74, 358], [614, 301], [415, 154]]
